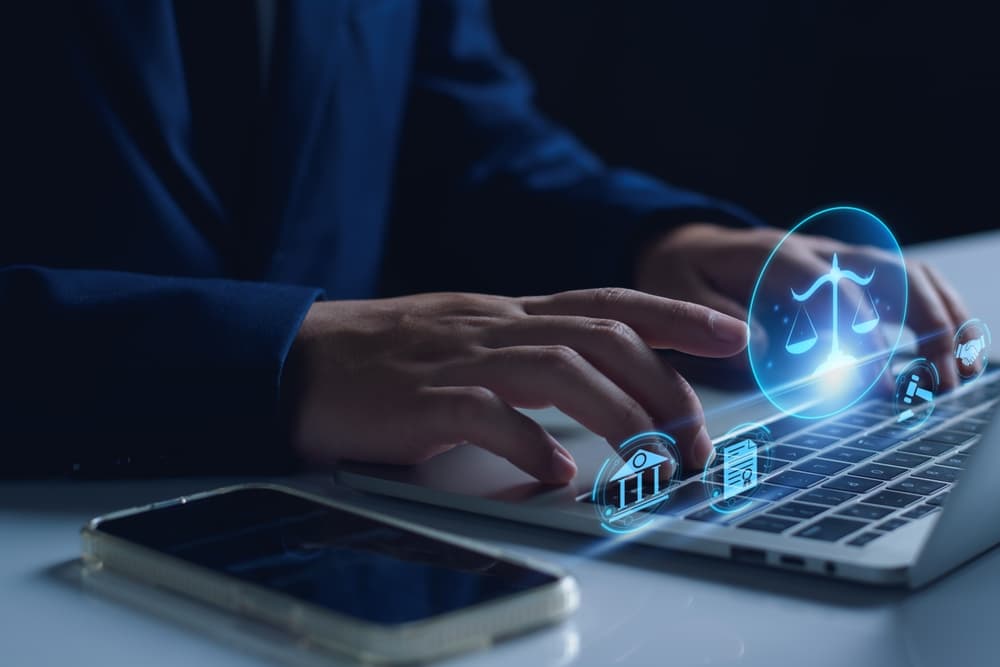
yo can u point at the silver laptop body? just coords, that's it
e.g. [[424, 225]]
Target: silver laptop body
[[889, 508]]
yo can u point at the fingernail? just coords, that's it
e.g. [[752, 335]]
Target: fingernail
[[729, 329], [563, 466], [758, 338]]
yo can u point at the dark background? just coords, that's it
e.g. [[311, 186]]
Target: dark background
[[781, 106]]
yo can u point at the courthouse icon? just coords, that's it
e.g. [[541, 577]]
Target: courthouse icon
[[639, 483]]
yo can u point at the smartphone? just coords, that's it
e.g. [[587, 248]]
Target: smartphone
[[344, 579]]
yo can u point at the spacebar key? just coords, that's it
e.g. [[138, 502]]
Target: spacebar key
[[830, 529]]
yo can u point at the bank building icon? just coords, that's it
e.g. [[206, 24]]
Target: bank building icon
[[641, 483]]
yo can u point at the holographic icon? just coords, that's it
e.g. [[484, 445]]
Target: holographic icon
[[836, 357], [818, 346], [969, 352], [739, 468], [739, 462], [916, 388], [972, 349], [642, 466], [636, 481]]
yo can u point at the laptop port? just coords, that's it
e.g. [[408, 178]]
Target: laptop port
[[794, 561], [746, 555]]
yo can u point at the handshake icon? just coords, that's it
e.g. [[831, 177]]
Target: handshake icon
[[969, 352]]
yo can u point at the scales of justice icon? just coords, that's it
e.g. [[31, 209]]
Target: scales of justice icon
[[806, 338]]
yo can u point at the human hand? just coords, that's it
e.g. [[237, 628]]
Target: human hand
[[401, 380], [717, 267]]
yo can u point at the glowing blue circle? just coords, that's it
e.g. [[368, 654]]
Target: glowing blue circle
[[712, 476], [817, 358], [620, 518], [976, 332], [913, 408]]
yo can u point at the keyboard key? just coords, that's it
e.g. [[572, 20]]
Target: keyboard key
[[863, 539], [838, 431], [797, 510], [866, 512], [972, 426], [861, 420], [770, 492], [765, 464], [826, 496], [955, 460], [852, 484], [938, 500], [768, 524], [927, 448], [787, 452], [710, 515], [811, 441], [918, 512], [896, 433], [683, 499], [799, 480], [872, 443], [904, 459], [891, 524], [949, 437], [879, 408], [785, 426], [939, 474], [847, 454], [923, 487], [950, 409], [830, 529], [878, 471], [892, 499], [820, 467]]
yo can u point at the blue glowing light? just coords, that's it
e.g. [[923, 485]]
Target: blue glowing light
[[632, 485], [716, 479], [819, 360], [972, 349], [916, 389]]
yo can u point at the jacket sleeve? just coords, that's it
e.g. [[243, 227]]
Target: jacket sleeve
[[492, 192], [159, 365], [110, 373]]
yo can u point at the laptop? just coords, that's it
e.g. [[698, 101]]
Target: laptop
[[855, 496]]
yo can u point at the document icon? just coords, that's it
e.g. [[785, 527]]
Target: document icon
[[739, 468]]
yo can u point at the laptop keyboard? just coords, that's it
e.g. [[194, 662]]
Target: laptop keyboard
[[856, 477]]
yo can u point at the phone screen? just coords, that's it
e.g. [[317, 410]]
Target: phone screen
[[334, 559]]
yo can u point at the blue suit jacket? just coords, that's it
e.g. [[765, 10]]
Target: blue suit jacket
[[178, 208]]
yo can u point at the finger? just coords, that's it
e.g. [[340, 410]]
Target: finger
[[930, 319], [479, 416], [523, 377], [612, 347], [927, 313], [706, 295], [952, 301], [661, 322], [537, 377]]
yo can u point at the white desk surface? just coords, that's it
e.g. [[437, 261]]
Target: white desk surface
[[640, 606]]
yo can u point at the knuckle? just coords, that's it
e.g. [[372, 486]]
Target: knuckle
[[610, 296], [684, 310], [561, 357], [611, 329], [685, 400], [472, 404]]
